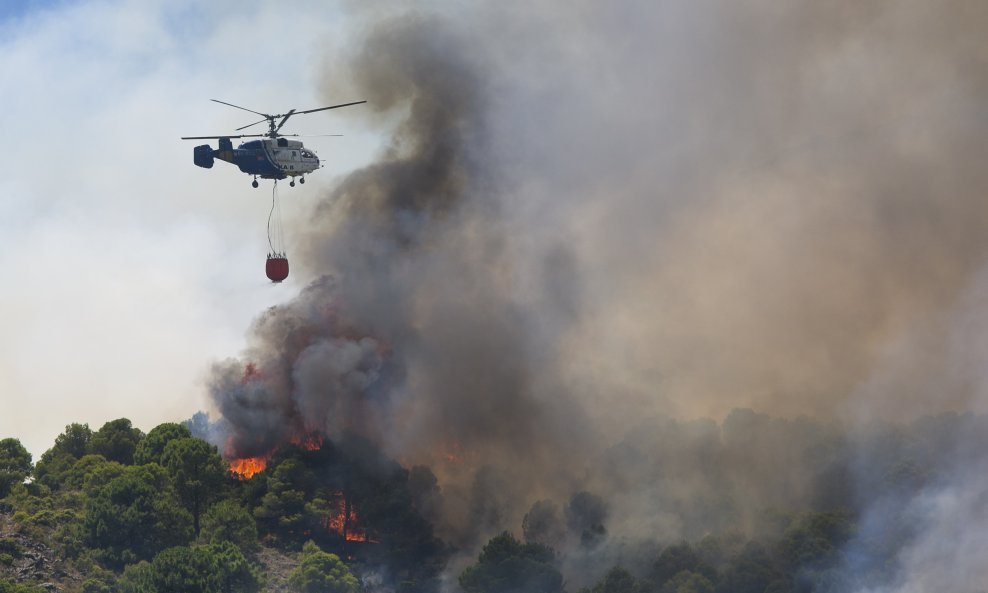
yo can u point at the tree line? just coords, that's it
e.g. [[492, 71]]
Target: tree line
[[120, 511]]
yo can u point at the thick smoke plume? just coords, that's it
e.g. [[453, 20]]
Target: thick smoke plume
[[593, 219]]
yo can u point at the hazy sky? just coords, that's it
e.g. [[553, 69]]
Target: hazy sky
[[128, 270], [708, 204]]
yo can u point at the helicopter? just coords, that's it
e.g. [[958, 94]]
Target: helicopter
[[274, 157]]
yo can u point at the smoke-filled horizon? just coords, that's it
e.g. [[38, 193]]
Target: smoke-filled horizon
[[591, 218]]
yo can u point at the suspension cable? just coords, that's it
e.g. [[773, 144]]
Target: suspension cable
[[276, 238]]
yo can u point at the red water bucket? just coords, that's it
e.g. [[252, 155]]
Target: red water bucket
[[276, 268]]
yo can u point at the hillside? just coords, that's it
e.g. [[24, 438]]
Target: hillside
[[27, 560], [770, 505], [120, 510]]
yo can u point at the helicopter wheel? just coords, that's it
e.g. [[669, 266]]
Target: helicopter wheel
[[253, 183], [301, 179], [292, 183]]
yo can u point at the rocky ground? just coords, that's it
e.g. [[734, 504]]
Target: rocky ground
[[277, 566], [26, 559]]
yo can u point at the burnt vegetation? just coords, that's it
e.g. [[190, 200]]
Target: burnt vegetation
[[776, 506]]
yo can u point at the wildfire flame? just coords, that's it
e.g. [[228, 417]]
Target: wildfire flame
[[310, 442], [344, 521], [246, 468]]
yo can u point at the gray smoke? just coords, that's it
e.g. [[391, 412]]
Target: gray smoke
[[595, 222]]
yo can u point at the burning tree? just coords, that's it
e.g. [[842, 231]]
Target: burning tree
[[350, 500], [247, 467]]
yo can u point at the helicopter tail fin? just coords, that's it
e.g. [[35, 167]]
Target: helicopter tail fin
[[203, 156]]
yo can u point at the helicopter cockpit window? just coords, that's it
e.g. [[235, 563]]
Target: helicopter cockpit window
[[307, 154]]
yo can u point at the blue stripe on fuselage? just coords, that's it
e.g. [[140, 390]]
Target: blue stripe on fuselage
[[254, 161]]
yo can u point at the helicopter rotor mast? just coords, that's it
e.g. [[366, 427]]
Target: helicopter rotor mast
[[272, 127]]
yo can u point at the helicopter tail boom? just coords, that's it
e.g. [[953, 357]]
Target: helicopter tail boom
[[204, 154]]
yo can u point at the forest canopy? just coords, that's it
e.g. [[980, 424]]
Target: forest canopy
[[763, 505]]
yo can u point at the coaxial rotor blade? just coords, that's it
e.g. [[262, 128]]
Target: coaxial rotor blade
[[218, 137], [239, 107], [253, 124], [330, 107], [287, 115]]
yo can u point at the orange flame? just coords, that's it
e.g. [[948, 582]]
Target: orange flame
[[247, 467], [310, 442], [343, 521]]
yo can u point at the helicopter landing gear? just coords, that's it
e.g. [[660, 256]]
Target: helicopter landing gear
[[254, 184], [301, 179], [292, 183]]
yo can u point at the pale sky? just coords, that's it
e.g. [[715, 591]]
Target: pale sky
[[127, 269], [780, 208]]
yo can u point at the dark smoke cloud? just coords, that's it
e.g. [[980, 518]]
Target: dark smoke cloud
[[419, 339], [595, 218]]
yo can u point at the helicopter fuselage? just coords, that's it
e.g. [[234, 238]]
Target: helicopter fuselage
[[268, 158]]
